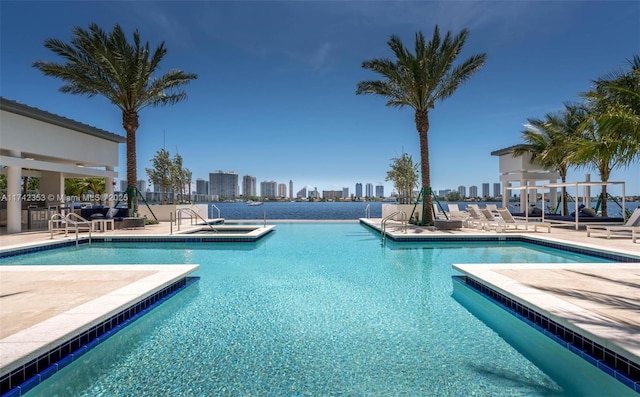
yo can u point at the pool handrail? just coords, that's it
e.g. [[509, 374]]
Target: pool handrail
[[383, 223], [191, 214]]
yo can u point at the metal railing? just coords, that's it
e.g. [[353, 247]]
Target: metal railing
[[71, 220], [192, 214], [383, 224], [367, 211], [217, 209]]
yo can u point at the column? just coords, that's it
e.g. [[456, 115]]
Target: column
[[553, 195], [14, 201], [108, 183]]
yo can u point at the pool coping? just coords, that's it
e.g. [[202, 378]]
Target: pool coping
[[182, 237], [28, 345], [615, 341]]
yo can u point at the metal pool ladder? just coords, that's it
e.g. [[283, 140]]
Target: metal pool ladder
[[383, 224], [192, 214]]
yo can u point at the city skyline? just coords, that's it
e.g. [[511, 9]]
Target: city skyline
[[495, 188]]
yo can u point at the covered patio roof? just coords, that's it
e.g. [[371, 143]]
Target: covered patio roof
[[37, 143]]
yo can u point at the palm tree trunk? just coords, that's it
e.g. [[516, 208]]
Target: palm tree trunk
[[604, 200], [604, 177], [422, 125], [130, 124]]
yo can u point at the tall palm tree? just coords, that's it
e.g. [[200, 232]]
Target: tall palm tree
[[418, 80], [616, 96], [550, 141], [611, 135], [600, 147], [100, 63]]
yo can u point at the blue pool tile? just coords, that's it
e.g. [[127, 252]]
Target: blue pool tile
[[49, 372]]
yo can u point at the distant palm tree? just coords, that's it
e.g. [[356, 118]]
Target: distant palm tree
[[420, 80], [124, 73], [551, 140]]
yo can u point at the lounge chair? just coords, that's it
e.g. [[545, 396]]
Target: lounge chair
[[437, 214], [492, 207], [509, 220], [491, 222], [631, 226], [456, 213], [476, 219]]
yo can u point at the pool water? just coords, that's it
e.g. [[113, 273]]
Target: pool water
[[322, 310]]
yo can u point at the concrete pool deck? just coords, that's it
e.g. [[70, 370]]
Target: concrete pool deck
[[605, 295], [41, 307]]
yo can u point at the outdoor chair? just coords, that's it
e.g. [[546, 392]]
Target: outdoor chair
[[510, 221], [632, 225]]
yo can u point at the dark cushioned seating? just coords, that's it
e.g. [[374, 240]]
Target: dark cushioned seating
[[95, 212], [584, 218]]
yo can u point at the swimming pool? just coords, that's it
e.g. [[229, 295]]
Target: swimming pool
[[321, 309]]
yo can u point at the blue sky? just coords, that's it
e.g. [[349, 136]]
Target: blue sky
[[275, 97]]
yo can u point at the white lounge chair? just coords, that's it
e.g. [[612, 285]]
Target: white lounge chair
[[491, 222], [456, 213], [474, 206], [437, 214], [632, 225], [476, 219], [492, 207], [509, 220]]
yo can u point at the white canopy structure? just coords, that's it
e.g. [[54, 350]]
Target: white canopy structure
[[522, 171], [36, 143]]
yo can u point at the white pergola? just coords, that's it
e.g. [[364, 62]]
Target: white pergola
[[522, 171], [36, 143]]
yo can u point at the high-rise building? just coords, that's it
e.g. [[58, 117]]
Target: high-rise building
[[485, 190], [268, 189], [249, 186], [496, 190], [369, 190], [332, 194], [462, 191], [473, 191], [202, 186], [123, 186], [314, 193], [290, 189], [142, 185], [379, 191], [223, 184], [345, 192], [282, 190], [302, 193], [359, 190]]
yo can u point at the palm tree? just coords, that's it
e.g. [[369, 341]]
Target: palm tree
[[617, 98], [601, 148], [104, 64], [550, 141], [418, 81], [611, 135]]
